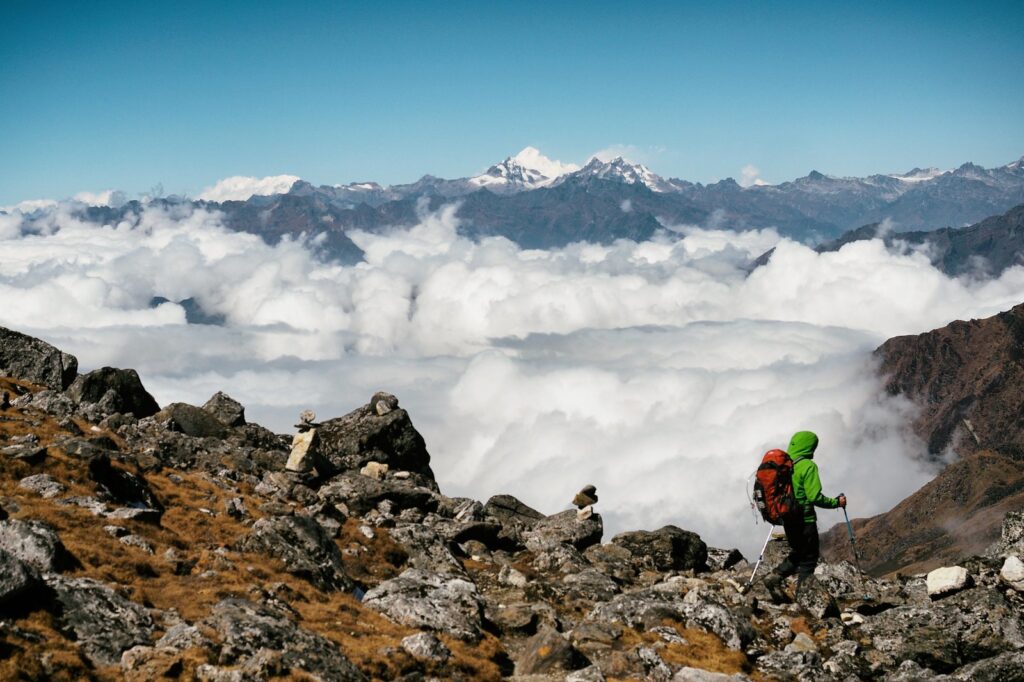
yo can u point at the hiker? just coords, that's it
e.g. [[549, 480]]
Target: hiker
[[801, 526]]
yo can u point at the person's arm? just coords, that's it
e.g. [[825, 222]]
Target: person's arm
[[812, 489]]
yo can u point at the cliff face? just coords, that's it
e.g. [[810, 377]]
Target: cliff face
[[968, 379], [191, 544]]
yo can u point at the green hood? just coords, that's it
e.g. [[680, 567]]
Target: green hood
[[803, 444]]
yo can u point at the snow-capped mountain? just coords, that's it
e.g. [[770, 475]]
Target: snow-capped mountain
[[529, 169], [919, 175], [620, 170]]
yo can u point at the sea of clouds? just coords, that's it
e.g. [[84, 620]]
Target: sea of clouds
[[659, 371]]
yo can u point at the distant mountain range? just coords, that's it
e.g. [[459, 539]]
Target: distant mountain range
[[540, 203]]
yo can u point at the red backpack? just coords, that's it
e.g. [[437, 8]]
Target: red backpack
[[773, 487]]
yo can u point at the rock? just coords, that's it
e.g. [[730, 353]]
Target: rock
[[814, 598], [226, 409], [120, 389], [591, 585], [29, 359], [17, 581], [1012, 533], [427, 550], [419, 599], [585, 497], [303, 546], [426, 647], [42, 484], [947, 580], [383, 403], [235, 508], [614, 561], [28, 453], [137, 542], [305, 453], [183, 636], [374, 470], [559, 558], [564, 528], [589, 674], [510, 576], [250, 631], [800, 666], [507, 508], [145, 663], [191, 420], [102, 622], [1006, 667], [802, 643], [362, 494], [364, 435], [698, 675], [51, 401], [122, 487], [1013, 573], [145, 515], [34, 542], [548, 652], [667, 549], [722, 559]]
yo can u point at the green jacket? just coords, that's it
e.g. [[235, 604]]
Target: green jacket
[[806, 483]]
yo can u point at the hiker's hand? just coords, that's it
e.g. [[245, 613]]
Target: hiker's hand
[[842, 501]]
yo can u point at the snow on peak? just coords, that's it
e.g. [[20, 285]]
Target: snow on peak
[[241, 187], [623, 171], [528, 169], [919, 175]]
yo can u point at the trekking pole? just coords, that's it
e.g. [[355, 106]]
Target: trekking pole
[[760, 559], [856, 554]]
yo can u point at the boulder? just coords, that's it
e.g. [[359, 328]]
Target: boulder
[[1012, 534], [248, 631], [506, 508], [430, 601], [548, 652], [226, 409], [1013, 573], [29, 359], [667, 549], [427, 550], [122, 487], [815, 598], [614, 561], [947, 580], [43, 485], [145, 663], [361, 494], [1006, 667], [564, 528], [722, 559], [305, 452], [191, 420], [304, 547], [591, 585], [103, 623], [425, 646], [36, 543], [17, 581], [364, 435], [120, 390]]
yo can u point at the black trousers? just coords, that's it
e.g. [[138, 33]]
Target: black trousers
[[803, 548]]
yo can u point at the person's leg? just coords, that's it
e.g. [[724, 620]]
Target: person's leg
[[809, 554], [795, 539]]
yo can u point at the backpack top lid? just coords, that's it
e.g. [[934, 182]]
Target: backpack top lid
[[803, 444]]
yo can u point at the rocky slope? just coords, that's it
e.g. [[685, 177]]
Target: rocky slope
[[140, 542], [968, 379]]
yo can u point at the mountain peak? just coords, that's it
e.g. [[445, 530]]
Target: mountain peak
[[620, 170], [526, 170]]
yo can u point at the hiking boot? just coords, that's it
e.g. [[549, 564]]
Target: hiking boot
[[773, 583]]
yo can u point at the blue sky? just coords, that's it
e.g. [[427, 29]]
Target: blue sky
[[108, 95]]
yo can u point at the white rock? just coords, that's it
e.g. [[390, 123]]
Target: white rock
[[510, 576], [304, 446], [802, 643], [851, 618], [375, 470], [947, 580], [1013, 573]]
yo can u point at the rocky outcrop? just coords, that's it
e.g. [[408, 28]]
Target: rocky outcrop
[[376, 432], [303, 546], [669, 548], [191, 420], [427, 600], [35, 361], [116, 390], [226, 409]]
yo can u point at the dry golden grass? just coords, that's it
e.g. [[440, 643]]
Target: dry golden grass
[[205, 537], [701, 649]]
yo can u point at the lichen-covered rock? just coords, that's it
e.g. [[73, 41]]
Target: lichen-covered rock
[[103, 623], [145, 663], [722, 559], [1006, 667], [548, 652], [364, 435], [34, 542], [120, 390], [614, 561], [304, 547], [426, 646], [688, 674], [43, 485], [427, 550], [816, 599], [564, 528], [666, 549], [191, 420], [361, 494], [29, 359], [430, 601], [226, 409], [17, 580], [248, 631]]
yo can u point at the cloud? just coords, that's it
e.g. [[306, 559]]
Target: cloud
[[240, 187], [107, 198], [629, 152], [659, 370], [751, 175]]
